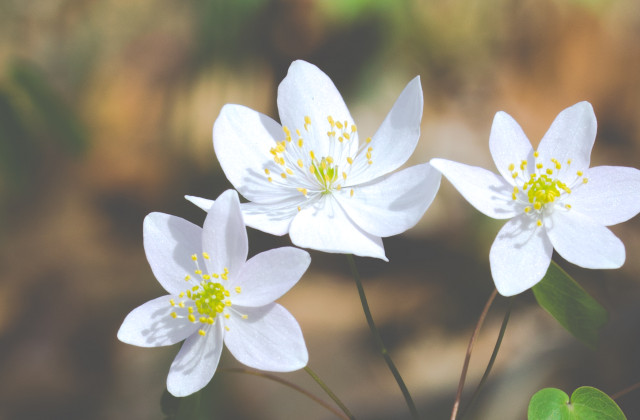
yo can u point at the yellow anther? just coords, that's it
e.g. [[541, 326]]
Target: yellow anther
[[353, 128], [307, 120], [351, 193], [226, 328], [181, 295], [300, 164], [579, 173], [370, 162], [194, 257], [227, 302], [224, 276], [202, 332], [270, 179], [190, 308], [238, 289], [300, 142], [340, 139], [245, 316], [537, 205], [539, 222], [527, 209], [227, 316], [281, 161], [536, 154], [283, 175], [210, 321], [344, 175], [312, 169], [206, 277], [192, 318], [303, 191], [289, 171], [312, 155], [511, 167], [324, 164], [198, 272], [368, 155], [298, 208], [187, 277], [203, 319], [513, 196], [347, 136], [568, 161], [329, 159], [514, 175], [549, 171], [181, 304], [298, 131], [368, 140], [330, 119], [585, 180], [266, 171], [286, 130], [172, 302], [558, 166], [338, 187], [339, 125], [350, 160], [539, 165], [515, 190], [568, 206]]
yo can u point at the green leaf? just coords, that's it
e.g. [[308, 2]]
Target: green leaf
[[586, 403], [570, 305]]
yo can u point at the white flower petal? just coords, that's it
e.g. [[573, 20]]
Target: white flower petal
[[582, 241], [570, 137], [204, 203], [519, 256], [323, 225], [151, 325], [486, 191], [394, 203], [272, 218], [224, 235], [509, 145], [307, 91], [396, 139], [242, 139], [169, 242], [611, 196], [196, 362], [269, 339], [269, 275]]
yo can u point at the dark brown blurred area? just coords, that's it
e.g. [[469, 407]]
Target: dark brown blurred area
[[106, 109]]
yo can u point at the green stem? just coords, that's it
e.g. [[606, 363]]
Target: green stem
[[290, 385], [378, 339], [467, 359], [494, 355], [330, 393]]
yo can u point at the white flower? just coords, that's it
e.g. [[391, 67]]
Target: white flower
[[554, 200], [314, 177], [216, 296]]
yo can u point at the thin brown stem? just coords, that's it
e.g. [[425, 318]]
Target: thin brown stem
[[467, 359], [625, 391], [290, 385]]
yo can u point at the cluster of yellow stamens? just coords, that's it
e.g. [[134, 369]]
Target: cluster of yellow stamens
[[542, 188], [296, 159], [208, 298]]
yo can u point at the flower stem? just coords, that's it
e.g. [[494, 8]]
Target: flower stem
[[292, 386], [625, 391], [467, 358], [378, 339], [330, 393], [492, 360]]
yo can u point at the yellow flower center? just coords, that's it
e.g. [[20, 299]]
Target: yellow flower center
[[542, 188], [295, 163], [205, 300]]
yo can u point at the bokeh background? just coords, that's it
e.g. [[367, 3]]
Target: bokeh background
[[106, 109]]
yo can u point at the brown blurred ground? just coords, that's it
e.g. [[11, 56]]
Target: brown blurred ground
[[106, 109]]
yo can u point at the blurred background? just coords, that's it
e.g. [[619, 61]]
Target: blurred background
[[106, 109]]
